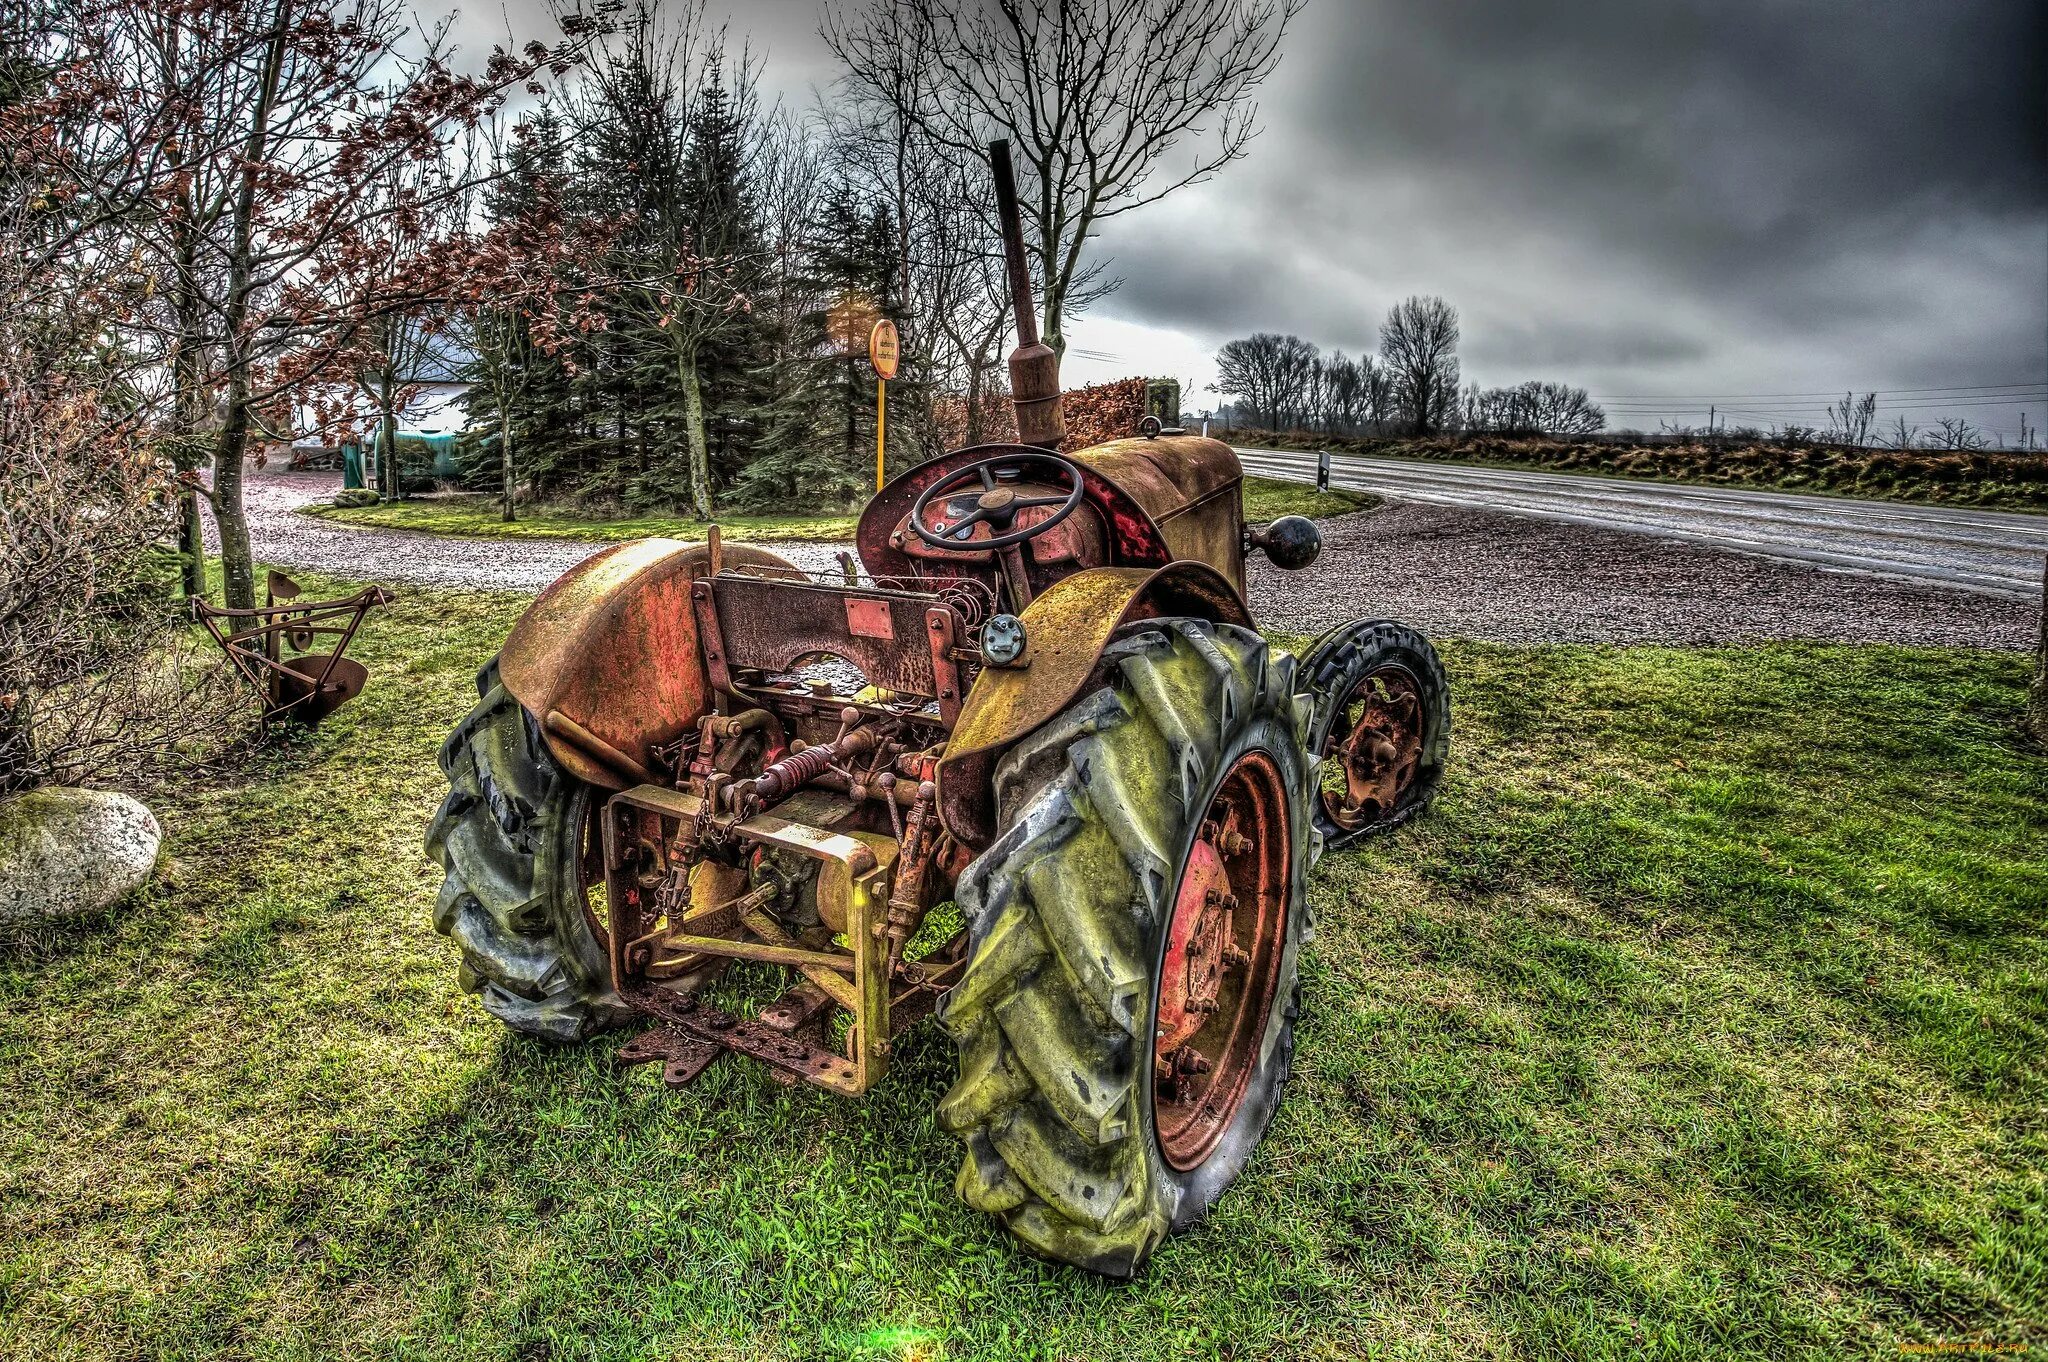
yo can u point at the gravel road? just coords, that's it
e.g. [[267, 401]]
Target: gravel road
[[1455, 572], [282, 536], [1958, 546]]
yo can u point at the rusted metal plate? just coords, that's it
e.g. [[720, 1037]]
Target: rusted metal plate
[[787, 1056], [611, 645], [867, 617], [772, 625], [797, 1008], [682, 1057]]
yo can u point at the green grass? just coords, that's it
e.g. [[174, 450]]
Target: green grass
[[477, 517], [1270, 498], [1706, 1016]]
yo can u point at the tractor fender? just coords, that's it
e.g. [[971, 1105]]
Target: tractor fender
[[607, 661], [1066, 629]]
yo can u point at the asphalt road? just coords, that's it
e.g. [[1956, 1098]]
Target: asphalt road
[[1995, 552]]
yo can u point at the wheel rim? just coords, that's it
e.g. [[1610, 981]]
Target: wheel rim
[[590, 887], [1374, 751], [1222, 961]]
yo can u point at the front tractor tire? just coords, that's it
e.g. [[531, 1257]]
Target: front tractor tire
[[1382, 728], [514, 836], [1126, 1018]]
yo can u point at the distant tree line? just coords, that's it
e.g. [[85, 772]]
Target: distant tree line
[[1411, 387]]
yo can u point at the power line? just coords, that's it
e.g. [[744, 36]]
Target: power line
[[1992, 399], [1831, 393]]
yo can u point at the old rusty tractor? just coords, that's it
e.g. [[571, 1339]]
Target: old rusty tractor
[[1028, 764]]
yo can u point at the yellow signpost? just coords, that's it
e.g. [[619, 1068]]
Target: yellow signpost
[[883, 352]]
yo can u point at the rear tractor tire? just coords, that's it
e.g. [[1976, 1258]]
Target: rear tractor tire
[[515, 837], [1126, 1018]]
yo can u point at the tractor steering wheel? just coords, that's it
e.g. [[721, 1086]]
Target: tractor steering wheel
[[997, 505]]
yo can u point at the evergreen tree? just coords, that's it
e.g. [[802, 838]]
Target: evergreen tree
[[818, 442], [505, 366]]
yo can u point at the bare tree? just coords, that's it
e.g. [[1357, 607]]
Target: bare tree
[[1953, 433], [232, 159], [1852, 419], [1419, 346], [949, 263], [1344, 393], [97, 677], [1257, 370], [1377, 382], [1110, 105], [1534, 408], [1297, 377]]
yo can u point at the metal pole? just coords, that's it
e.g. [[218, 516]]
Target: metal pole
[[881, 426]]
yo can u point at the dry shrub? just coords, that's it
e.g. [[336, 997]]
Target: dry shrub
[[98, 678], [1095, 414], [1102, 412]]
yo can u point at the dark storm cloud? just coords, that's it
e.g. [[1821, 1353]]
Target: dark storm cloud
[[1626, 188], [1637, 195]]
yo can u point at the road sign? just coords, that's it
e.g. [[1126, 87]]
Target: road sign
[[883, 349]]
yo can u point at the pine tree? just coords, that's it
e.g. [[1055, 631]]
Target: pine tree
[[505, 364], [819, 429]]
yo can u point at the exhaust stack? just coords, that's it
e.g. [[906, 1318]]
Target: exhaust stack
[[1034, 368]]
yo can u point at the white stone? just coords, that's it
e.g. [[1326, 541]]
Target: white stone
[[64, 853]]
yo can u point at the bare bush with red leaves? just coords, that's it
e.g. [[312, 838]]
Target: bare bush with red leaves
[[98, 681], [1102, 412]]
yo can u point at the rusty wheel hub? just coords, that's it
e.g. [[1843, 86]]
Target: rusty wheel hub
[[1374, 749], [1222, 961]]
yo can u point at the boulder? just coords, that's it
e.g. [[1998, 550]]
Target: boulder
[[65, 853]]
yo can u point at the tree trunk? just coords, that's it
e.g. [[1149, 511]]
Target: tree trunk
[[17, 745], [388, 472], [972, 434], [693, 426], [237, 563], [191, 546], [238, 568], [505, 458]]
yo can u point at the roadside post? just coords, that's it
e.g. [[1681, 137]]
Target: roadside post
[[1322, 470], [883, 352]]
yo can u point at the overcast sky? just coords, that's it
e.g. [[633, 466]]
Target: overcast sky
[[1665, 201]]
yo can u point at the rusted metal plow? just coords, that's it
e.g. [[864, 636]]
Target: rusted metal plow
[[271, 646]]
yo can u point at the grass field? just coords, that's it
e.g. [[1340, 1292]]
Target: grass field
[[477, 517], [1706, 1016]]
